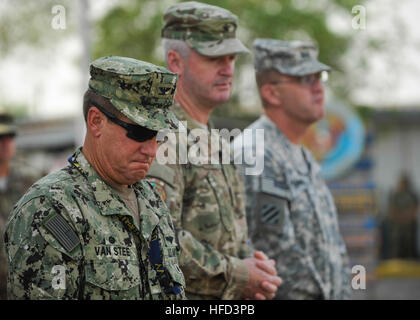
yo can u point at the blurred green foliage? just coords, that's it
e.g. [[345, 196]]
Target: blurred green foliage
[[29, 23], [132, 28], [18, 111]]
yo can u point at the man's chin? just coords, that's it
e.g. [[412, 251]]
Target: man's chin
[[134, 180], [221, 97], [140, 174], [135, 176], [320, 109]]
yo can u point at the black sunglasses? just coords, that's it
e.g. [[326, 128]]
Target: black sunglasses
[[134, 131]]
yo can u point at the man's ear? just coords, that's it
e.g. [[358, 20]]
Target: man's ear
[[175, 62], [95, 121], [270, 94]]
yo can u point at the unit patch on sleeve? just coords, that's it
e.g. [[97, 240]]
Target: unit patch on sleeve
[[159, 187], [62, 231]]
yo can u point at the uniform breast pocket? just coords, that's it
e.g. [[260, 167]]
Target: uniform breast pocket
[[223, 199], [301, 201], [112, 280], [201, 205], [326, 201], [304, 216]]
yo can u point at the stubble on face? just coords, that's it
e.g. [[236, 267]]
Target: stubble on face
[[209, 80], [305, 105]]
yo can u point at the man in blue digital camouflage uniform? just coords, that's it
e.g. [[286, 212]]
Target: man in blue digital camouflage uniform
[[95, 229]]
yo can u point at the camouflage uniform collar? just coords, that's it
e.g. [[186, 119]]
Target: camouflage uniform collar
[[294, 152], [268, 123], [107, 199], [182, 115], [110, 203]]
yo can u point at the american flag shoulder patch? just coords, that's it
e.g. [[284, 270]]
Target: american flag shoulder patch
[[62, 231]]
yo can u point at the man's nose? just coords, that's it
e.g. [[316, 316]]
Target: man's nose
[[149, 147], [228, 65], [317, 86]]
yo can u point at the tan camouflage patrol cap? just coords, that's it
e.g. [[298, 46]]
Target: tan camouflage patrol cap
[[7, 127], [209, 30], [142, 91], [293, 58]]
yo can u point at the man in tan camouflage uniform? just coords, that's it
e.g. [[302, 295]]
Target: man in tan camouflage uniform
[[206, 199], [291, 213], [15, 179], [95, 229]]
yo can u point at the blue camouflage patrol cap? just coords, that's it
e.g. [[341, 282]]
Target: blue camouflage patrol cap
[[293, 58], [142, 91]]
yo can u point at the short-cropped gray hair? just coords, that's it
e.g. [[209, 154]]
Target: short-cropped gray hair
[[179, 46]]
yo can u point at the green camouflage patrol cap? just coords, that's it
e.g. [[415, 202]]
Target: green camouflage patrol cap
[[293, 58], [7, 128], [209, 30], [142, 91]]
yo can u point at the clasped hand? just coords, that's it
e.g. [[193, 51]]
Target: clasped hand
[[263, 280]]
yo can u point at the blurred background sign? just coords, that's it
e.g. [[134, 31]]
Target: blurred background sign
[[337, 141]]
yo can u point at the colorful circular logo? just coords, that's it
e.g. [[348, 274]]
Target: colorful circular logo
[[337, 140]]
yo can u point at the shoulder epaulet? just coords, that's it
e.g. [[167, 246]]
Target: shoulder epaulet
[[162, 172], [275, 188]]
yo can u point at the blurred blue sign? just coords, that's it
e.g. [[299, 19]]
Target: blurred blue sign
[[337, 140]]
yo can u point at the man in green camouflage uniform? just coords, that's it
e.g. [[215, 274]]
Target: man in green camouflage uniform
[[206, 199], [15, 178], [291, 213], [95, 229]]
